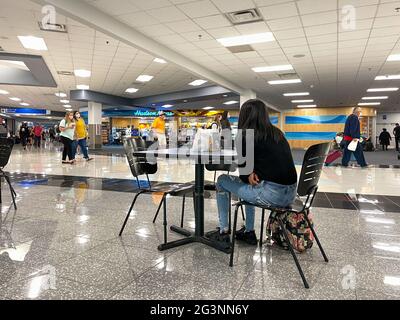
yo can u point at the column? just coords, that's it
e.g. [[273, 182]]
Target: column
[[94, 117], [247, 95]]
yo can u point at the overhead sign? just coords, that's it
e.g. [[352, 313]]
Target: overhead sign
[[131, 113], [24, 111]]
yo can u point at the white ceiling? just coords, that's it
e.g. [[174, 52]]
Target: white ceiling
[[338, 67]]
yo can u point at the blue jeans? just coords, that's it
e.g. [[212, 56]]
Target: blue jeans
[[265, 193], [358, 154], [82, 144]]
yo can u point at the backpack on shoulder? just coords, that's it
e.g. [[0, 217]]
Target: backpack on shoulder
[[298, 230]]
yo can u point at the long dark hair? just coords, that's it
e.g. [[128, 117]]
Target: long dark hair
[[225, 124], [254, 115]]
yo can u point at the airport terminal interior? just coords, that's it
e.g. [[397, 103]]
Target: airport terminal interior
[[160, 78]]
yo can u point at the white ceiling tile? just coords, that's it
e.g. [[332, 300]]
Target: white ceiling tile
[[151, 4], [223, 32], [319, 18], [233, 5], [284, 24], [321, 29], [279, 11], [215, 21], [167, 14], [255, 27], [115, 7], [138, 19], [312, 6], [199, 9], [186, 25]]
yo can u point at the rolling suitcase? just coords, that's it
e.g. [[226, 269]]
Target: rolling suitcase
[[332, 156]]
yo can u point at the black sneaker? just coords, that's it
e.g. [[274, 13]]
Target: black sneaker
[[248, 237], [220, 237]]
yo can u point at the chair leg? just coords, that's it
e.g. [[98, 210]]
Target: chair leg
[[262, 227], [158, 210], [165, 219], [243, 216], [183, 210], [230, 212], [283, 230], [316, 238], [129, 213], [13, 193], [233, 236]]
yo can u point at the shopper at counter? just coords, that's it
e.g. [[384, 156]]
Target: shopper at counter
[[158, 128]]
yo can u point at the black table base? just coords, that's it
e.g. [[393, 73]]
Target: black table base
[[191, 238]]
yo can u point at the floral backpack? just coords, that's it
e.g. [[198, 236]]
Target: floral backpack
[[299, 232]]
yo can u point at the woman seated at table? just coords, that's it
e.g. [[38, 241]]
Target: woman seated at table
[[273, 180]]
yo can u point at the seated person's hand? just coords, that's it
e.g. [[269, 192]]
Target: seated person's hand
[[253, 179]]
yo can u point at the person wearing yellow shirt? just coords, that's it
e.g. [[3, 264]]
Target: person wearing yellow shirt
[[158, 128], [80, 136]]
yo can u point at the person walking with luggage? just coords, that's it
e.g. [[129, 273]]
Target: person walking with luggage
[[352, 133], [67, 128], [384, 139], [80, 136], [396, 133]]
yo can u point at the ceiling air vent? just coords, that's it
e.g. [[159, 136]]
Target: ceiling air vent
[[239, 49], [53, 27], [244, 16], [288, 76], [65, 73]]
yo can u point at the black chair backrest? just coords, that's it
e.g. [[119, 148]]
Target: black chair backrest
[[313, 162], [135, 164], [6, 146], [138, 144]]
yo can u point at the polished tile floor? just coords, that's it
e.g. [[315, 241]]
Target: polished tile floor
[[62, 242]]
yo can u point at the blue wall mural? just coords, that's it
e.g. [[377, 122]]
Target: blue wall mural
[[310, 135], [334, 119]]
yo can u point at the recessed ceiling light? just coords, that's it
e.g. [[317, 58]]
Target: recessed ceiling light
[[131, 90], [247, 39], [208, 108], [64, 101], [274, 82], [307, 106], [296, 94], [15, 99], [224, 95], [196, 83], [4, 92], [185, 101], [299, 56], [144, 78], [388, 77], [24, 104], [167, 106], [82, 73], [273, 68], [159, 60], [69, 109], [376, 98], [394, 57], [82, 87], [230, 102], [382, 89], [302, 101], [67, 106], [369, 103], [34, 43], [61, 94]]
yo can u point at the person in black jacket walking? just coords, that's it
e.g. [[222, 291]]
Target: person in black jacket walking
[[352, 132], [24, 134], [396, 133], [384, 139]]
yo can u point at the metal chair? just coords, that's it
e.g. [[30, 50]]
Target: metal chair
[[139, 166], [6, 146], [313, 163]]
